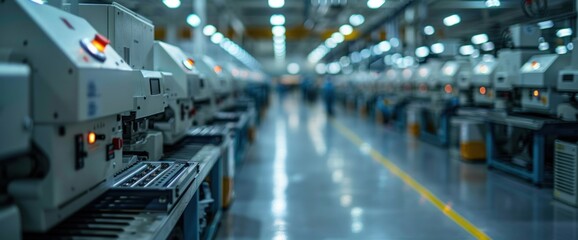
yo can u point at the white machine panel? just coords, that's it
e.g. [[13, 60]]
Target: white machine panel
[[542, 70], [568, 81], [149, 97], [483, 72], [544, 100], [14, 110], [508, 70], [170, 58], [130, 34]]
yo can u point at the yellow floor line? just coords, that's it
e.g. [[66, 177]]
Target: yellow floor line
[[407, 179]]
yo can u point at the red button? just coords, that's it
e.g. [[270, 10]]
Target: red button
[[101, 39], [117, 142]]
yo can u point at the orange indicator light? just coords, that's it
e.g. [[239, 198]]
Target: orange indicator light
[[536, 93], [483, 90], [448, 88], [91, 138]]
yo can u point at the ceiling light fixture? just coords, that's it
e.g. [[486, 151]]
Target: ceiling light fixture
[[429, 30], [293, 68], [278, 30], [452, 20], [276, 3], [209, 30], [217, 38], [194, 20], [564, 32], [277, 19], [356, 19], [172, 3], [374, 4], [346, 29], [480, 38], [437, 48], [546, 24]]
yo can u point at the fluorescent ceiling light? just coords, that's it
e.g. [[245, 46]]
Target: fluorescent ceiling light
[[278, 30], [346, 29], [543, 46], [277, 19], [480, 38], [394, 42], [437, 48], [561, 50], [376, 50], [564, 32], [217, 38], [467, 50], [385, 46], [422, 51], [172, 3], [452, 20], [344, 61], [194, 20], [338, 37], [365, 53], [293, 68], [493, 3], [276, 3], [330, 43], [355, 57], [429, 30], [374, 4], [546, 24], [356, 19], [209, 30], [488, 46], [334, 68]]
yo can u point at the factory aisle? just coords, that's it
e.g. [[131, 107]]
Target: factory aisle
[[310, 178]]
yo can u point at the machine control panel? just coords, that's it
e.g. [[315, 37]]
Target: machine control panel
[[483, 72], [568, 81]]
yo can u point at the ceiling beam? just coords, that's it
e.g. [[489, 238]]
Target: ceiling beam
[[454, 4]]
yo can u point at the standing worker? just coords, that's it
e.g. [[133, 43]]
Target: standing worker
[[328, 96]]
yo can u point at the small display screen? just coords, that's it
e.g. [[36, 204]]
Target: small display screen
[[568, 78], [155, 86]]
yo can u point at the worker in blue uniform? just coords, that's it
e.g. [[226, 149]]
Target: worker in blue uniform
[[328, 96]]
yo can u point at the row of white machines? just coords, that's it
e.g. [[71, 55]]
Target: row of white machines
[[107, 133], [516, 111]]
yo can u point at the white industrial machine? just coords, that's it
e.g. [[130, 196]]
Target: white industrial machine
[[133, 35], [407, 82], [482, 79], [539, 76], [524, 39], [187, 91], [464, 83], [78, 94], [428, 79], [450, 72], [222, 84], [568, 85], [209, 106]]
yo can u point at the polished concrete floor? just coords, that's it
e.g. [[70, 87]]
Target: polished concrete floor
[[303, 179]]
